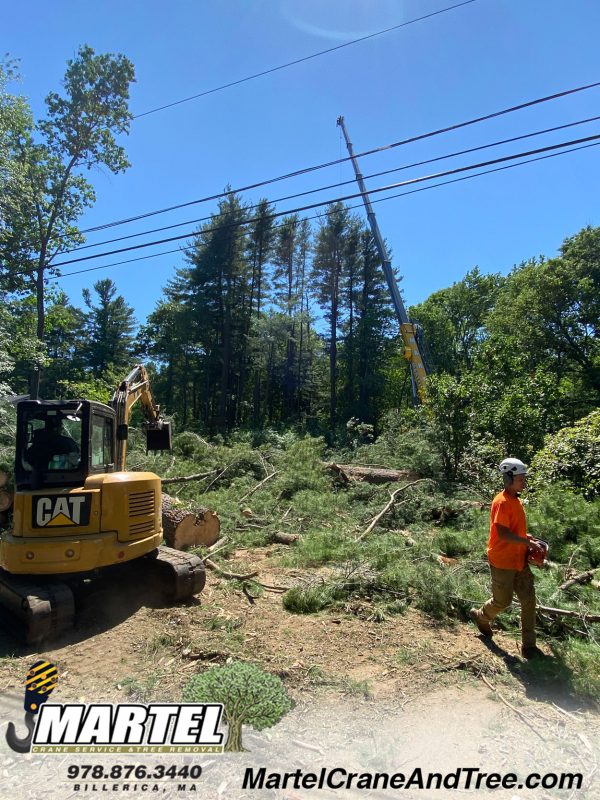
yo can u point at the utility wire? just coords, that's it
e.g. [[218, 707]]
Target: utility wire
[[310, 206], [317, 216], [325, 164], [301, 60], [339, 183]]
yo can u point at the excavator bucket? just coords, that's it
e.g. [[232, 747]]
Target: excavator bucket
[[159, 438]]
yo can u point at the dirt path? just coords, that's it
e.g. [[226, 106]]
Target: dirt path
[[386, 694]]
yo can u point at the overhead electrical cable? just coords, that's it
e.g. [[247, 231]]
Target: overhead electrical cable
[[317, 216], [271, 70], [338, 183], [352, 196], [326, 164]]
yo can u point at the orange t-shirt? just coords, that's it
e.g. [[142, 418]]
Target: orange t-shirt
[[507, 511]]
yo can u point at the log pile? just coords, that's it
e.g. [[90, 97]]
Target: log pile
[[184, 528]]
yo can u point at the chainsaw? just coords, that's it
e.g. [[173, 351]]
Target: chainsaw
[[537, 552]]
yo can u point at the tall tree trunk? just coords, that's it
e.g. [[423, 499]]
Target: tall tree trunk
[[34, 381], [333, 365]]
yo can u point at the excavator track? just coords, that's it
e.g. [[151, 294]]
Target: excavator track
[[35, 611], [181, 575]]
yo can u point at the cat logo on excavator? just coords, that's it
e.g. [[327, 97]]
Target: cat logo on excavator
[[61, 510]]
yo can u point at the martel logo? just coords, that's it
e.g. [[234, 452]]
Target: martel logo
[[61, 510]]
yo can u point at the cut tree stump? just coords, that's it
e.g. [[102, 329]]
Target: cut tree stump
[[184, 528], [6, 500]]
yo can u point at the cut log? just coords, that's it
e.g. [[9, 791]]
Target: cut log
[[284, 538], [370, 474], [584, 577], [6, 500], [184, 528], [4, 478]]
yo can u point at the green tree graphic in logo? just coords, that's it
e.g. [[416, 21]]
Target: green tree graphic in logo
[[249, 696]]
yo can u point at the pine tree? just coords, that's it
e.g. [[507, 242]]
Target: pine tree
[[109, 328], [327, 273]]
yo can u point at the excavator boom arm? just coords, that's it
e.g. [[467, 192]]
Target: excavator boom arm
[[136, 386]]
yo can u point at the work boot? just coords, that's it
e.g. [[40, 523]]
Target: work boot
[[482, 623], [532, 651]]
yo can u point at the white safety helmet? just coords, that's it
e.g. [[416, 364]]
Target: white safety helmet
[[512, 466]]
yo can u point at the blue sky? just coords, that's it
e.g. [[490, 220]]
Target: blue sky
[[461, 64]]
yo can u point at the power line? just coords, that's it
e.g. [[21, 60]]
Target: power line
[[310, 206], [301, 60], [341, 183], [316, 216], [314, 168]]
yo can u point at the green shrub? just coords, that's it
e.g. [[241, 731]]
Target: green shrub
[[564, 519], [300, 468], [572, 457], [309, 599], [405, 442]]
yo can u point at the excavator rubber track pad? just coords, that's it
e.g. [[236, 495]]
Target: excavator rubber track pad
[[32, 611], [182, 575]]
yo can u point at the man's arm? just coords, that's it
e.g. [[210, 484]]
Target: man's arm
[[509, 536]]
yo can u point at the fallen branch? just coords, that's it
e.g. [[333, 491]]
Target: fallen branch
[[564, 612], [187, 478], [584, 577], [251, 492], [220, 475], [391, 504], [512, 708], [251, 599], [278, 589], [206, 655], [232, 576], [217, 545]]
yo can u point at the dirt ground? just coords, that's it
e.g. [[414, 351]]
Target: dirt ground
[[361, 685]]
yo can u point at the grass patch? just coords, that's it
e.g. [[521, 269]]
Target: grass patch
[[140, 690], [581, 660]]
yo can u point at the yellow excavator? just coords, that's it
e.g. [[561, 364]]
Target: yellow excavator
[[77, 510]]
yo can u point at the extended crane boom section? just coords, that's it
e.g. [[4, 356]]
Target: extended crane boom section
[[412, 351], [136, 386]]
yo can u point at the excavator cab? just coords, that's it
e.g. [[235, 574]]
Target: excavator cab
[[61, 443]]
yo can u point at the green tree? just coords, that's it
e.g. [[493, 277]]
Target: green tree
[[327, 273], [78, 134], [453, 320], [550, 312], [249, 695], [15, 127], [261, 237], [109, 327]]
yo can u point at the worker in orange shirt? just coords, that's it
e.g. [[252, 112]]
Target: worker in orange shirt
[[507, 555]]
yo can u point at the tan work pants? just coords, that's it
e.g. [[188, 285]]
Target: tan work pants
[[505, 583]]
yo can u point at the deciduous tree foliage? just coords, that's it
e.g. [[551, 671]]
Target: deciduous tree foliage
[[78, 133]]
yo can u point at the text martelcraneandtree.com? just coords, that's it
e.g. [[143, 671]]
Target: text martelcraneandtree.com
[[460, 778]]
